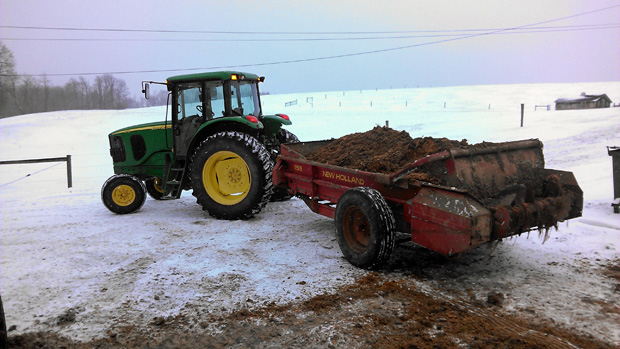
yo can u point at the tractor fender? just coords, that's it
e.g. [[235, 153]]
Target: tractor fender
[[273, 123]]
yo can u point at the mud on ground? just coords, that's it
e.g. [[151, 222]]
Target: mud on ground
[[377, 311]]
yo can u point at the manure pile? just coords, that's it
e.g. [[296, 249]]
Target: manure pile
[[383, 150]]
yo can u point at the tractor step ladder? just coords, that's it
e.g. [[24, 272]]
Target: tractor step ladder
[[174, 180]]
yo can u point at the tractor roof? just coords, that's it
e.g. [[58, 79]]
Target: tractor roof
[[219, 75]]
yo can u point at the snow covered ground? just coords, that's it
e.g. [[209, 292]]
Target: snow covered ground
[[63, 255]]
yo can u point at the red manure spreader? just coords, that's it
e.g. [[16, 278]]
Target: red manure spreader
[[479, 193]]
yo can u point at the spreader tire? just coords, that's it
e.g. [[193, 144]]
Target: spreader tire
[[3, 334], [155, 188], [231, 175], [364, 227], [123, 194]]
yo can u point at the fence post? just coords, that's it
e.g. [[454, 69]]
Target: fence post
[[69, 174], [522, 111], [614, 152]]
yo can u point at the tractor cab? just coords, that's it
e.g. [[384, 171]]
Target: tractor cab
[[202, 98]]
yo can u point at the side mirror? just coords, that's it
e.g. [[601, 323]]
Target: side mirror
[[146, 90]]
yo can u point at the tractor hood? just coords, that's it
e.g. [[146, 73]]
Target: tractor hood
[[151, 126], [141, 149]]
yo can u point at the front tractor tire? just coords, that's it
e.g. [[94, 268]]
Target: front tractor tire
[[365, 227], [231, 175], [123, 194], [155, 188]]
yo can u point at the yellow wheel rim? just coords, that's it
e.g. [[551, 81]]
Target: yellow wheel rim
[[226, 178], [158, 185], [123, 195]]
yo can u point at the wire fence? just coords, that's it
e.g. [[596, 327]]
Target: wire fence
[[66, 159]]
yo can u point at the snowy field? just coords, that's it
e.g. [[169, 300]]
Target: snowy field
[[64, 255]]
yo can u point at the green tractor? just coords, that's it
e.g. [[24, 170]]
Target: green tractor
[[217, 143]]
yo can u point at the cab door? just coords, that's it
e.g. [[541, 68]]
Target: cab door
[[188, 114]]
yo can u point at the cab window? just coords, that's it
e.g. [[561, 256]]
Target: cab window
[[189, 101], [215, 100]]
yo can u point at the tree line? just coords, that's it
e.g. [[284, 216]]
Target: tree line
[[27, 94]]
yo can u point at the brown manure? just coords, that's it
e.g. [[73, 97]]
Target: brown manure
[[383, 150]]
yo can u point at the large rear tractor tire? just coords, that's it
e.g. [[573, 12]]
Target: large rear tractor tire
[[123, 194], [231, 175], [155, 188], [365, 227], [280, 193], [285, 136]]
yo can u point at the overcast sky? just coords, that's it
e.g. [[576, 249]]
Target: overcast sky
[[260, 33]]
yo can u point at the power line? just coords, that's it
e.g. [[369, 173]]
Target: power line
[[450, 32], [522, 31], [341, 55], [280, 32]]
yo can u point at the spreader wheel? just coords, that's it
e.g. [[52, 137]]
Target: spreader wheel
[[232, 175], [123, 194], [364, 227], [3, 334], [155, 188]]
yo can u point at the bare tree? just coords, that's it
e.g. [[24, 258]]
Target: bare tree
[[8, 81], [110, 92], [121, 95], [159, 98], [46, 92], [26, 98], [72, 88], [27, 94], [86, 92]]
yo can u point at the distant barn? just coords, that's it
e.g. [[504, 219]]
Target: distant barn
[[583, 102]]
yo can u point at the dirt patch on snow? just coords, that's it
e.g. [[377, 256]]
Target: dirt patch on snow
[[376, 311], [612, 270]]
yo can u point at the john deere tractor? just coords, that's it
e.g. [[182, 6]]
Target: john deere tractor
[[217, 143]]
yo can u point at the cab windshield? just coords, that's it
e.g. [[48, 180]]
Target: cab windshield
[[244, 98]]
